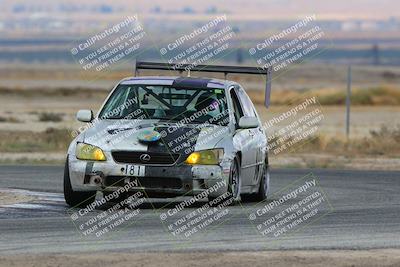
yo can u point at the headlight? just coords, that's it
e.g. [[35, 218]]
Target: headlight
[[89, 152], [206, 157]]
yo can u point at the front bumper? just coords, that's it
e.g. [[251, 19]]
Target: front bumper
[[158, 181]]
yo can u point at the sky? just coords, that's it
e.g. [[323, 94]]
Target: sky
[[247, 9]]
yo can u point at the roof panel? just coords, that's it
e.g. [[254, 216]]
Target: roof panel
[[178, 81]]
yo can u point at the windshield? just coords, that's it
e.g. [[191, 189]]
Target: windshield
[[167, 103]]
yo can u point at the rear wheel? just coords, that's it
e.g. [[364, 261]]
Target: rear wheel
[[75, 198], [264, 185]]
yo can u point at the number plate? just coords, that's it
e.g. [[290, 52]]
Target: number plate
[[133, 170]]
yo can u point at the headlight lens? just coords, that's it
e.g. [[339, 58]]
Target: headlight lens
[[89, 152], [206, 157]]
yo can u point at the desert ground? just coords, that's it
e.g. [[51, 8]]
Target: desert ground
[[383, 257]]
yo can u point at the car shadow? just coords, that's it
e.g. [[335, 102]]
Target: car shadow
[[156, 204]]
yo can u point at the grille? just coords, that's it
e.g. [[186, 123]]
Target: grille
[[137, 157], [147, 182]]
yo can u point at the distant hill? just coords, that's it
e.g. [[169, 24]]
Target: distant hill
[[247, 9]]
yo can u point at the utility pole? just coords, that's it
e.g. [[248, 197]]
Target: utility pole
[[348, 102], [375, 55]]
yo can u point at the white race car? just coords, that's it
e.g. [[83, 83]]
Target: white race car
[[170, 136]]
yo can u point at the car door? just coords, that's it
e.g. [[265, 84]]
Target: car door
[[242, 141], [256, 140]]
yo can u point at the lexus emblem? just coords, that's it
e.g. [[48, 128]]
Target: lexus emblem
[[145, 157]]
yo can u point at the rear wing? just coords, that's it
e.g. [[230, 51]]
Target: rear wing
[[140, 65]]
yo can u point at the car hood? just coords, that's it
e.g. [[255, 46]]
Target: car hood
[[174, 137]]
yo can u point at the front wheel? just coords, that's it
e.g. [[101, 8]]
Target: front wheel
[[75, 198], [234, 180]]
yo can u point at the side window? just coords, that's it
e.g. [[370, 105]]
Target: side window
[[238, 112], [248, 108]]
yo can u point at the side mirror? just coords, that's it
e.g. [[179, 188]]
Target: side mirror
[[84, 115], [248, 122]]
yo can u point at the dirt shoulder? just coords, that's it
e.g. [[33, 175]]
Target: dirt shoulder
[[8, 198], [328, 161], [384, 257]]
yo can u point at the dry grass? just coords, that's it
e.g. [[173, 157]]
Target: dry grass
[[382, 142], [377, 96], [53, 92], [50, 116], [27, 141], [9, 119]]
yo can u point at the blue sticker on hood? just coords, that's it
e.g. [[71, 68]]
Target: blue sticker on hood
[[149, 136]]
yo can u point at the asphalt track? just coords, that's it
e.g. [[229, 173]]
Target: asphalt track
[[361, 211]]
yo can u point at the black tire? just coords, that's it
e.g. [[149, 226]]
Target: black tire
[[74, 198], [263, 188], [233, 184], [234, 181]]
